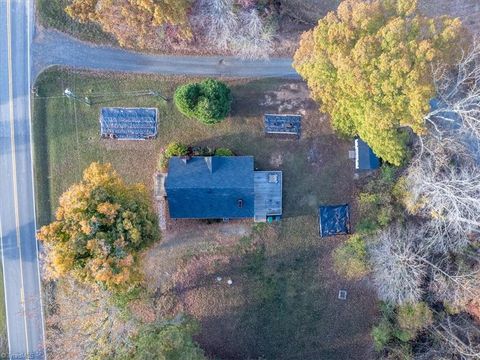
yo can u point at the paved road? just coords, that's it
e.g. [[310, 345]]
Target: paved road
[[17, 214], [54, 48]]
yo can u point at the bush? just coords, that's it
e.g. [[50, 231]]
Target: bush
[[172, 149], [208, 101], [224, 152], [378, 205], [350, 259], [168, 340], [412, 318], [176, 149], [381, 334]]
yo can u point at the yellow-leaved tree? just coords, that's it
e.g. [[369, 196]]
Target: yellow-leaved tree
[[369, 66], [136, 23], [101, 224]]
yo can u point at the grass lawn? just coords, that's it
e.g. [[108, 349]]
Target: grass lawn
[[3, 317], [283, 301]]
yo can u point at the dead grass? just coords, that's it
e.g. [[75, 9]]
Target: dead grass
[[283, 302]]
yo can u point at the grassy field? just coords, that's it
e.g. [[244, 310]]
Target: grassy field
[[283, 302], [3, 318]]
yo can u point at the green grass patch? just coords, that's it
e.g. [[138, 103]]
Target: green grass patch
[[3, 317], [51, 14]]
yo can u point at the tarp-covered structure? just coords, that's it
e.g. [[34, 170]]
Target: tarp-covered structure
[[334, 220], [128, 123], [283, 124]]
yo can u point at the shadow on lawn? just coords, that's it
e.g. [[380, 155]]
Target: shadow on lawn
[[40, 141]]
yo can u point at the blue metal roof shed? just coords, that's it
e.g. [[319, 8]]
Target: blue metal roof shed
[[128, 123], [210, 187], [365, 159], [334, 220]]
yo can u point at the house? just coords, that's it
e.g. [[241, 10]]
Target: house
[[128, 123], [222, 187], [365, 158]]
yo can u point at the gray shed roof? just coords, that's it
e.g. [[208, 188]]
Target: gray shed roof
[[210, 187], [268, 194], [128, 123]]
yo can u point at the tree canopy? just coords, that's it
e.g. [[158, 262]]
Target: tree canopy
[[135, 22], [369, 65], [208, 101], [101, 223]]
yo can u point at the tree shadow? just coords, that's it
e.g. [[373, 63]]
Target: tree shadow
[[289, 309]]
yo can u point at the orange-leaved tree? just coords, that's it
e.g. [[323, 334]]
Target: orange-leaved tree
[[369, 65], [136, 23], [101, 224]]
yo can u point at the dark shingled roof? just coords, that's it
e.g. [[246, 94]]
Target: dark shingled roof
[[210, 187], [365, 159], [128, 123], [334, 220], [282, 124]]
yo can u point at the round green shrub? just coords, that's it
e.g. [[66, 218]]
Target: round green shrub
[[224, 152], [208, 101]]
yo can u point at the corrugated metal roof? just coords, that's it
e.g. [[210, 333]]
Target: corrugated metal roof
[[128, 123], [210, 187], [365, 159], [282, 124]]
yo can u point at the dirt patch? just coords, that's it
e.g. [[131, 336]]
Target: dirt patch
[[289, 98], [183, 238], [276, 159]]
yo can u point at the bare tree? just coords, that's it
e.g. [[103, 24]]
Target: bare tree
[[228, 28], [445, 183], [255, 39], [456, 282], [397, 264], [458, 336], [458, 97], [218, 20]]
